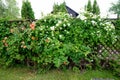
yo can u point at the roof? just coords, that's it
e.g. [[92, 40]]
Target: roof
[[71, 11]]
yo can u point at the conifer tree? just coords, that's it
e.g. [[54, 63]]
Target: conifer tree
[[89, 6], [27, 11], [59, 8], [96, 9]]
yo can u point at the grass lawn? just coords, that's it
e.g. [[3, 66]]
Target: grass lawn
[[26, 74]]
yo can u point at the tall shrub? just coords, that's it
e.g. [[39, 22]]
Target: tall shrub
[[27, 11], [92, 8], [96, 9], [59, 8], [89, 6]]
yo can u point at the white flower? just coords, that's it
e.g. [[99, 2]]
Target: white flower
[[48, 38], [107, 28], [94, 23], [71, 15], [5, 38], [112, 26], [60, 36], [60, 28], [102, 24], [107, 23], [68, 24], [65, 19], [52, 28], [59, 22], [64, 25], [95, 16], [98, 31], [91, 14], [100, 19], [82, 17], [67, 32], [44, 20], [41, 28]]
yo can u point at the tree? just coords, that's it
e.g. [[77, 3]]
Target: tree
[[92, 8], [12, 9], [27, 11], [9, 9], [2, 9], [59, 8], [115, 8], [88, 6], [96, 9]]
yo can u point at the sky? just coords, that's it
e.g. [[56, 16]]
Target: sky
[[46, 6]]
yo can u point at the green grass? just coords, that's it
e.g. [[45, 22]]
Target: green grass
[[26, 74]]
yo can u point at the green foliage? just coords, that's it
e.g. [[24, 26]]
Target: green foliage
[[96, 9], [27, 12], [89, 6], [115, 8], [9, 9], [12, 11], [95, 28], [117, 25], [56, 40], [117, 29], [59, 8], [67, 43], [2, 9]]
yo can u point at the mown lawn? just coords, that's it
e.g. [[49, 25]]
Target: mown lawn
[[26, 74]]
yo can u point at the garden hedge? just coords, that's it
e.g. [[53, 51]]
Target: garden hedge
[[56, 40]]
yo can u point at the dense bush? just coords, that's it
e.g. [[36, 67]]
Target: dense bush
[[117, 25], [55, 40], [7, 28]]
